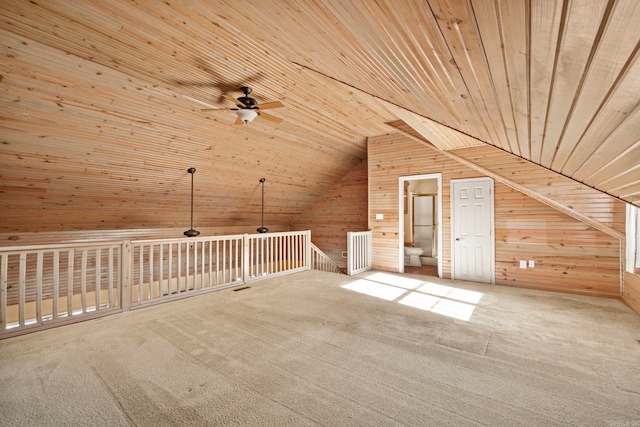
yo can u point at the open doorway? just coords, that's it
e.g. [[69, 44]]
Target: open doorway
[[420, 219]]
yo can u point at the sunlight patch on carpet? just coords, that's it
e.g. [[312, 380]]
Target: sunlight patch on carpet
[[433, 297], [375, 289], [390, 279]]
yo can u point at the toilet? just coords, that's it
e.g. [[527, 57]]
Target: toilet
[[412, 256]]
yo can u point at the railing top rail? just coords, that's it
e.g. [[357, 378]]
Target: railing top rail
[[280, 233], [360, 232], [214, 238], [108, 243], [50, 247], [188, 239]]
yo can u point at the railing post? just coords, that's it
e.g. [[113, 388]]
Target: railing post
[[350, 253], [307, 254], [4, 262], [245, 258], [126, 262]]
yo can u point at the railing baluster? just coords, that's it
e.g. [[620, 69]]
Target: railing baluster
[[187, 268], [4, 262], [217, 262], [161, 280], [224, 261], [275, 266], [202, 264], [150, 278], [83, 280], [210, 245], [98, 286], [140, 251], [56, 284], [22, 288], [170, 270], [110, 278], [179, 269], [39, 263], [236, 265], [194, 266], [71, 257], [270, 243], [253, 244]]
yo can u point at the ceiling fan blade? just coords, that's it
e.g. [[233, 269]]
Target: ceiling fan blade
[[238, 121], [215, 109], [269, 117], [274, 104], [232, 99]]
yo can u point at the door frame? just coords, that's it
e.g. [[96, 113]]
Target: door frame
[[401, 181], [492, 243]]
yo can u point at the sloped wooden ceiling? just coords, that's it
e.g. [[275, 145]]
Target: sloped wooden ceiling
[[101, 100]]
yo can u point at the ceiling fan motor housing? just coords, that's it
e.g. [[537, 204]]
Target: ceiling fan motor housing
[[247, 102]]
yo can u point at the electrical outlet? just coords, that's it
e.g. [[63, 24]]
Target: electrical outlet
[[523, 263], [379, 216], [532, 263], [344, 254]]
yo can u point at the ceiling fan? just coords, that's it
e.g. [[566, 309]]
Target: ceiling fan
[[247, 108]]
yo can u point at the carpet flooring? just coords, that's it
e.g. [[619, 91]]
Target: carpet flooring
[[322, 349]]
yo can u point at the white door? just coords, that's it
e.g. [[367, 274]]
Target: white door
[[472, 229]]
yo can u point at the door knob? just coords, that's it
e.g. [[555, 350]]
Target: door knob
[[457, 238]]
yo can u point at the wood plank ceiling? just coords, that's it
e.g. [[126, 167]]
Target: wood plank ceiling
[[101, 101]]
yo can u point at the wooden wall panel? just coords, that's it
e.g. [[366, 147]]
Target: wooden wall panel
[[631, 294], [86, 147], [342, 209], [570, 256], [585, 200]]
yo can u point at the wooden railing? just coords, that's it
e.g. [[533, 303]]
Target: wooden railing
[[320, 261], [48, 285], [359, 247], [275, 254], [57, 284]]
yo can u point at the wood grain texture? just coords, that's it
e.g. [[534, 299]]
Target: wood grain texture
[[631, 294], [570, 256], [341, 209], [101, 101]]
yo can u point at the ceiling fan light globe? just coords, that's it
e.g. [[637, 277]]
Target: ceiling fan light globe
[[246, 115]]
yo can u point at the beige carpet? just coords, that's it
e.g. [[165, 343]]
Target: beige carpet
[[324, 349]]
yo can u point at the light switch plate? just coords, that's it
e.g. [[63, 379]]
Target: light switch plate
[[379, 216], [532, 263], [523, 263]]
